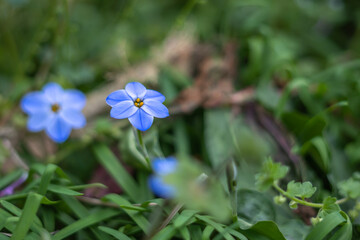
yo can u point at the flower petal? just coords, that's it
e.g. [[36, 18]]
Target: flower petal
[[155, 108], [116, 97], [39, 121], [73, 117], [53, 92], [34, 102], [135, 90], [163, 166], [123, 109], [141, 120], [58, 129], [154, 95], [160, 188], [73, 99]]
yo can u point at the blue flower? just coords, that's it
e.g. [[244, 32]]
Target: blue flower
[[138, 104], [161, 168], [54, 110]]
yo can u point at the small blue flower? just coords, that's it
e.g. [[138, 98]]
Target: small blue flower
[[54, 110], [161, 168], [138, 104]]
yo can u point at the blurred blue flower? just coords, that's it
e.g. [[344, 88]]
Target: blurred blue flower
[[54, 110], [138, 104], [161, 168]]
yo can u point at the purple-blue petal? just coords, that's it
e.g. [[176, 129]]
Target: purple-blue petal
[[160, 188], [141, 120], [73, 99], [58, 129], [123, 110], [163, 166], [34, 102], [155, 108], [135, 90], [117, 96], [154, 95], [53, 92], [38, 121], [73, 117]]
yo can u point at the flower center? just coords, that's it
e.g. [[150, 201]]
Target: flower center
[[138, 103], [55, 108]]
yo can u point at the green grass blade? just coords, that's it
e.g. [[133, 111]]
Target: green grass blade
[[323, 228], [345, 231], [81, 212], [218, 227], [141, 221], [46, 178], [116, 234], [117, 171], [63, 190], [17, 211], [27, 216], [85, 222]]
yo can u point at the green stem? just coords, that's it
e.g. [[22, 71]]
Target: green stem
[[142, 144], [302, 202]]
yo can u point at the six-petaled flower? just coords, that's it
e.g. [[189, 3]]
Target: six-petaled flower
[[138, 104], [54, 110], [162, 168]]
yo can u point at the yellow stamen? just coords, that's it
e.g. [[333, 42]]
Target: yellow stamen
[[138, 100], [55, 107], [136, 104], [140, 104]]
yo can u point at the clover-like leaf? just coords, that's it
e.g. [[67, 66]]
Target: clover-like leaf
[[270, 172], [330, 206], [301, 190], [350, 188]]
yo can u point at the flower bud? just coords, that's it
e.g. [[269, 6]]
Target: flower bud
[[279, 200], [293, 205]]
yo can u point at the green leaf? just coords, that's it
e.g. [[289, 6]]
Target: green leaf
[[294, 84], [84, 222], [301, 190], [350, 188], [62, 190], [116, 234], [330, 206], [116, 170], [166, 233], [262, 228], [217, 132], [318, 149], [270, 172], [254, 206], [27, 216], [294, 121], [313, 128], [138, 218], [326, 226], [345, 231], [207, 232]]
